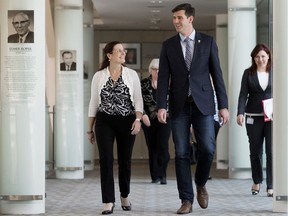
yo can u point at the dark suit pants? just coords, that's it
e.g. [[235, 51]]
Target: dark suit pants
[[257, 132]]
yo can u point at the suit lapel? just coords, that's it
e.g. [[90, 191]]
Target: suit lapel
[[197, 43], [256, 81], [178, 49]]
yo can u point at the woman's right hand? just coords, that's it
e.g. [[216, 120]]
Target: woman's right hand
[[91, 137], [240, 119]]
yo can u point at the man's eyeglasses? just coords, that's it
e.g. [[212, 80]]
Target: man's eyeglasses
[[20, 23], [120, 50]]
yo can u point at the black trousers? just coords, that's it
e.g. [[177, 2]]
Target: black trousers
[[257, 133], [157, 140], [107, 129]]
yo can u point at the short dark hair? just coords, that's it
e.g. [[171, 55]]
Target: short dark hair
[[189, 10], [67, 52]]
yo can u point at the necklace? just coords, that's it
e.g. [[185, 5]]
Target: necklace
[[115, 75], [115, 78]]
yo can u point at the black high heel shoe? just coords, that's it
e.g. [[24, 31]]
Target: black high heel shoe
[[125, 207], [110, 211], [269, 192], [255, 191]]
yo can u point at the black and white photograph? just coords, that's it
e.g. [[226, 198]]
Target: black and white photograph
[[68, 60], [21, 26]]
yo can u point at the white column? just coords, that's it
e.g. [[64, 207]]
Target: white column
[[221, 38], [22, 142], [241, 41], [280, 90], [88, 55], [50, 87], [69, 162]]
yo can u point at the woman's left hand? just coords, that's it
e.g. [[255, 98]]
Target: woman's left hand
[[136, 126]]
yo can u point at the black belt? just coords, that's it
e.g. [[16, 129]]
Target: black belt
[[189, 99]]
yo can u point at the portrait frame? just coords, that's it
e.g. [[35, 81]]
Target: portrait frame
[[12, 31], [74, 60], [133, 49]]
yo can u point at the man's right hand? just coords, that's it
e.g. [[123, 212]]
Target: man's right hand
[[162, 115]]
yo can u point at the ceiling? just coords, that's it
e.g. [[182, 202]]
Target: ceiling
[[152, 14]]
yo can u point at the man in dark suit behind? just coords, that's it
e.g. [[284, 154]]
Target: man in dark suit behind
[[191, 101], [21, 23], [68, 64]]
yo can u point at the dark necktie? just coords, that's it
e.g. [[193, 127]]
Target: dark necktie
[[20, 40], [188, 58]]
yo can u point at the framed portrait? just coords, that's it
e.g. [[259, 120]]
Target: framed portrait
[[133, 55], [68, 60], [20, 22]]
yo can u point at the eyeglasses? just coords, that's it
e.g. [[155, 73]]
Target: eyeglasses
[[155, 69], [20, 23], [120, 51]]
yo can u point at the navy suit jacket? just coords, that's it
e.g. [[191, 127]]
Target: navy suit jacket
[[251, 93], [174, 75], [15, 38]]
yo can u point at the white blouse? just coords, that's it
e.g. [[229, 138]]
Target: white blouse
[[263, 78]]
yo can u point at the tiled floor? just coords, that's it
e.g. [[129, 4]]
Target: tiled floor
[[83, 197]]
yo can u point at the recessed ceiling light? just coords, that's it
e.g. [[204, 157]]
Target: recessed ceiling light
[[155, 11], [154, 2]]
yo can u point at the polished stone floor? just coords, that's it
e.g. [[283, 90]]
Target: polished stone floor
[[228, 197]]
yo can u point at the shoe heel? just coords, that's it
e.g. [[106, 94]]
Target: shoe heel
[[106, 212], [127, 207], [255, 191], [269, 192]]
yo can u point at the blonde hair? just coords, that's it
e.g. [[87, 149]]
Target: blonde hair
[[154, 63]]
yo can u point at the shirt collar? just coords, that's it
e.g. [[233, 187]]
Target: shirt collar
[[24, 36], [191, 36]]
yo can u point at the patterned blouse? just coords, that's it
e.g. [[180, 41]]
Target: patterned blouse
[[115, 98], [149, 98]]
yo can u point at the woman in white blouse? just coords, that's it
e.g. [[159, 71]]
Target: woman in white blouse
[[115, 112]]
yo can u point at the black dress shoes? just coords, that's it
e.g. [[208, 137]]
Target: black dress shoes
[[202, 196], [185, 208], [109, 211], [163, 180], [155, 180]]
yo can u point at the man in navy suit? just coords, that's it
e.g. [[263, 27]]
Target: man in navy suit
[[21, 23], [191, 101]]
